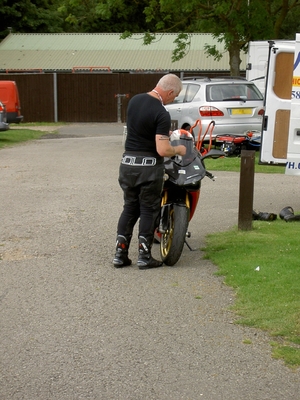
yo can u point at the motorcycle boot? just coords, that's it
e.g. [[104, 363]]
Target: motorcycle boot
[[145, 260], [121, 257]]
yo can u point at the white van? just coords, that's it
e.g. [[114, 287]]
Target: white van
[[280, 142]]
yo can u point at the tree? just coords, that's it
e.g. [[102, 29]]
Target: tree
[[30, 16], [233, 22], [103, 15]]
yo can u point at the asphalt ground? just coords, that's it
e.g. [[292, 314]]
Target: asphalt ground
[[74, 327]]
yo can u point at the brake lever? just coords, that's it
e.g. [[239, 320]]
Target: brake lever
[[210, 175]]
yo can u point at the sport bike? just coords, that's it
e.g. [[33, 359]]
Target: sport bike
[[181, 192]]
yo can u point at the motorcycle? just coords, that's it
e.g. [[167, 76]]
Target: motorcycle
[[181, 192], [232, 145]]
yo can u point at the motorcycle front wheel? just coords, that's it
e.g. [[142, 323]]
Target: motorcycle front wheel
[[172, 241]]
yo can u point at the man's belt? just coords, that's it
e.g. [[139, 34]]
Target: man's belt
[[139, 161]]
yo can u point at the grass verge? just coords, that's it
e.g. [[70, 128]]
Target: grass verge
[[20, 134], [9, 138], [233, 164], [262, 265]]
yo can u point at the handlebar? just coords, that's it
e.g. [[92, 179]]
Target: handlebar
[[213, 153]]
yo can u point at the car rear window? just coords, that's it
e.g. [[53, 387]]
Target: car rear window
[[234, 91]]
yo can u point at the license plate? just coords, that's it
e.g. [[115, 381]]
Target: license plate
[[241, 111]]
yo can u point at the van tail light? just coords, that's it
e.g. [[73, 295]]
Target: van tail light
[[261, 111], [209, 111], [1, 108], [18, 108]]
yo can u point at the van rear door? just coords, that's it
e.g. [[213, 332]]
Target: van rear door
[[277, 102]]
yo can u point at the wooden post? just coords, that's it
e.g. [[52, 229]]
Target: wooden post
[[246, 190], [119, 97]]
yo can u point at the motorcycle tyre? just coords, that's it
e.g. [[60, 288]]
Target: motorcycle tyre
[[172, 241]]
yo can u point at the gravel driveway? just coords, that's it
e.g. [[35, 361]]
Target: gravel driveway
[[73, 327]]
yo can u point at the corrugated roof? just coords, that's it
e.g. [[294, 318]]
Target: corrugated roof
[[64, 51]]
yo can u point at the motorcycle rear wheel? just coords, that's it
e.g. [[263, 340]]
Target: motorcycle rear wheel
[[172, 241]]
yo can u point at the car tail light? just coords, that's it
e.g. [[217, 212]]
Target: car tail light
[[209, 111], [261, 111]]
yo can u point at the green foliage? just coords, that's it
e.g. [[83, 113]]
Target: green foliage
[[104, 15], [30, 16], [212, 51], [148, 37], [183, 43], [262, 265]]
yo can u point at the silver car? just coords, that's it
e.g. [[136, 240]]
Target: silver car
[[234, 104]]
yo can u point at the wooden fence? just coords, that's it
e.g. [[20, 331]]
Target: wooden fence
[[80, 96]]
